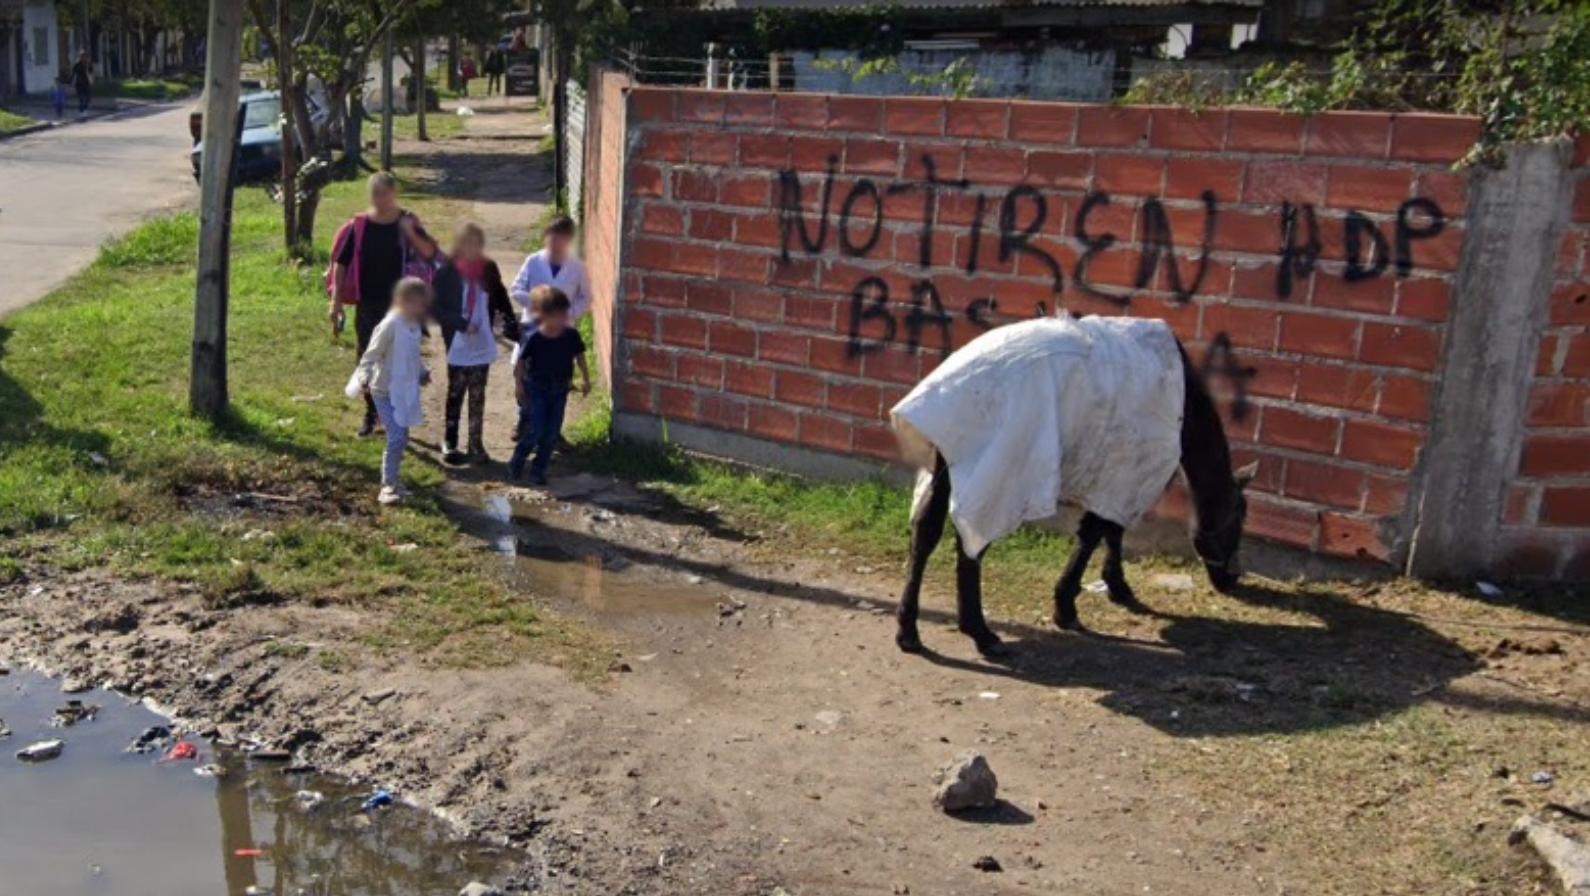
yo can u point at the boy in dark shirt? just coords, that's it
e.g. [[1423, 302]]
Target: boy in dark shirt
[[547, 358]]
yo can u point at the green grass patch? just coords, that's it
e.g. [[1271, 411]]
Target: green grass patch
[[11, 121], [100, 459], [143, 88]]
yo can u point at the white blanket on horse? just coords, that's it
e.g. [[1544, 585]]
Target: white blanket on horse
[[1044, 412]]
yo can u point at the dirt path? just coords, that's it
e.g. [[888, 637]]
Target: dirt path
[[759, 730]]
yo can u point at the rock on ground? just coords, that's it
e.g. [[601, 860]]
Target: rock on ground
[[476, 888], [1568, 859], [967, 782]]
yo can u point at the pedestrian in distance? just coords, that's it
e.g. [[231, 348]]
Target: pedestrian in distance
[[370, 253], [83, 81], [496, 65], [543, 376], [466, 72], [470, 301], [58, 93], [391, 373]]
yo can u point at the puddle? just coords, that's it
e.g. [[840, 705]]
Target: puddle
[[607, 585], [100, 820]]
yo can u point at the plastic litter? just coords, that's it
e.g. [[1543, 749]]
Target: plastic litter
[[150, 739], [73, 712], [1542, 778], [1487, 589], [210, 770], [39, 751], [1097, 586], [309, 799], [988, 695], [465, 112], [376, 801], [249, 853], [182, 750]]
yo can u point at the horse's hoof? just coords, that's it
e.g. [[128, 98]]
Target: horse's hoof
[[1126, 600], [1068, 621], [908, 642], [993, 648]]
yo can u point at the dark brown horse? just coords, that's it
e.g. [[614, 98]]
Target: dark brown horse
[[1219, 512]]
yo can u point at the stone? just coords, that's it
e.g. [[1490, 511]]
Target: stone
[[1173, 581], [41, 750], [967, 782], [988, 864], [1568, 859], [476, 888]]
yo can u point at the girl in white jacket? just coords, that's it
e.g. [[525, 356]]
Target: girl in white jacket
[[393, 372]]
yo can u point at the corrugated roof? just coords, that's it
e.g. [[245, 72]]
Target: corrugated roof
[[727, 5]]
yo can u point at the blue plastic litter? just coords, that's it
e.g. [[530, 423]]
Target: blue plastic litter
[[377, 800]]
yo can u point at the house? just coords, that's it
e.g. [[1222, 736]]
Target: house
[[29, 46]]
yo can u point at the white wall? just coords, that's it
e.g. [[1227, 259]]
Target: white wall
[[39, 62]]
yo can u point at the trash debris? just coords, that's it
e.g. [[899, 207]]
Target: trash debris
[[73, 712], [75, 686], [988, 864], [377, 800], [476, 888], [250, 852], [1173, 581], [150, 739], [309, 800], [1542, 778], [258, 535], [988, 695], [407, 547], [4, 731], [465, 112], [210, 770], [99, 460], [1097, 587], [829, 717], [967, 782], [180, 751], [1567, 858], [40, 751], [693, 579], [1486, 589]]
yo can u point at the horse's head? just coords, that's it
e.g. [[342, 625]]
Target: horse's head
[[1216, 540]]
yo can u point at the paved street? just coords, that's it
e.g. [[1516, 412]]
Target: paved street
[[63, 192]]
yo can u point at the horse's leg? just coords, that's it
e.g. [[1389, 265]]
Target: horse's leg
[[1070, 585], [926, 530], [969, 601], [1114, 575]]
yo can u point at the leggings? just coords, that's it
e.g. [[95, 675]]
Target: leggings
[[469, 381]]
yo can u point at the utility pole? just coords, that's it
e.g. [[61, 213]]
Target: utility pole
[[387, 98], [207, 389]]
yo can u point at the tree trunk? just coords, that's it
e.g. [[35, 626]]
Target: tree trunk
[[290, 145], [207, 390], [455, 80], [388, 96], [421, 88], [352, 108]]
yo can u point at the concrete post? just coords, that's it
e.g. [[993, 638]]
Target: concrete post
[[1500, 295]]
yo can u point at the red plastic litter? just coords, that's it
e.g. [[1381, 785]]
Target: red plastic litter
[[182, 750], [248, 853]]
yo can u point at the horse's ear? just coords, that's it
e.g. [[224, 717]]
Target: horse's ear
[[1245, 474]]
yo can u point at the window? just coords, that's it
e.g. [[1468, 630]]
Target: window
[[41, 46]]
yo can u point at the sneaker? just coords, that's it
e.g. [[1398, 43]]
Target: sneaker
[[453, 457], [389, 496]]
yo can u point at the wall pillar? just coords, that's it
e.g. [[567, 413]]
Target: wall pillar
[[1502, 290]]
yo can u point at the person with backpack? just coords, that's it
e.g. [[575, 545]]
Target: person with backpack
[[370, 254], [470, 300]]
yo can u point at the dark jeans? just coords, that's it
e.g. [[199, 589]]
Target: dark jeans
[[540, 422], [84, 95]]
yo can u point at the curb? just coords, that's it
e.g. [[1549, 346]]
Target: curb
[[30, 129]]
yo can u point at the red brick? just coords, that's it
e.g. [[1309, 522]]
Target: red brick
[[1066, 170], [1556, 456], [727, 338], [1446, 189], [710, 224], [1559, 404], [1379, 444], [1399, 345], [684, 332], [709, 297], [1441, 252], [1375, 296], [825, 432], [1363, 135], [773, 422], [1337, 386], [1285, 523], [641, 324], [758, 230], [783, 348], [1253, 130], [1188, 178], [1351, 536], [1258, 282], [1366, 189], [695, 186], [1112, 126], [861, 399], [800, 112], [869, 155], [891, 365], [1405, 398], [995, 165], [1386, 495], [1433, 138], [1130, 174], [1042, 122], [1287, 428], [764, 151], [1314, 334], [699, 106], [1577, 360], [817, 313], [1566, 506], [877, 441], [749, 109], [746, 191], [1246, 327], [713, 148], [666, 220], [748, 379], [834, 355], [1425, 298], [739, 265], [663, 145], [916, 116], [791, 387], [1529, 554], [1581, 201], [635, 395], [648, 104], [668, 292], [1253, 232], [1324, 484], [1271, 183], [722, 412], [700, 370], [646, 181], [855, 113], [676, 402], [1570, 305], [1198, 131], [978, 119]]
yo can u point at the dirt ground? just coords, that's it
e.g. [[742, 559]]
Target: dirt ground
[[758, 729]]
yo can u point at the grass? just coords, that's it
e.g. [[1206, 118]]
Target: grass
[[143, 88], [10, 121], [101, 464]]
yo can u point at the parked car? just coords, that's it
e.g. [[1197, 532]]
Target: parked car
[[260, 152]]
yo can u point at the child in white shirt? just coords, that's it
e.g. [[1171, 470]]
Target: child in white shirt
[[393, 372]]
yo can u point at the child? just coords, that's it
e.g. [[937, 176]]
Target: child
[[543, 374], [392, 372], [470, 296], [58, 95]]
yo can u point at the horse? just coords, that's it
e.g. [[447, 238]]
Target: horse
[[1219, 513]]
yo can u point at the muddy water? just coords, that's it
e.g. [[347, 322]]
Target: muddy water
[[101, 820]]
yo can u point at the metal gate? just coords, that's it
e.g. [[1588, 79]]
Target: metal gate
[[573, 144]]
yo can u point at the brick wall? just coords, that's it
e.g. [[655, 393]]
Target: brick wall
[[1546, 523], [604, 178], [793, 263]]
